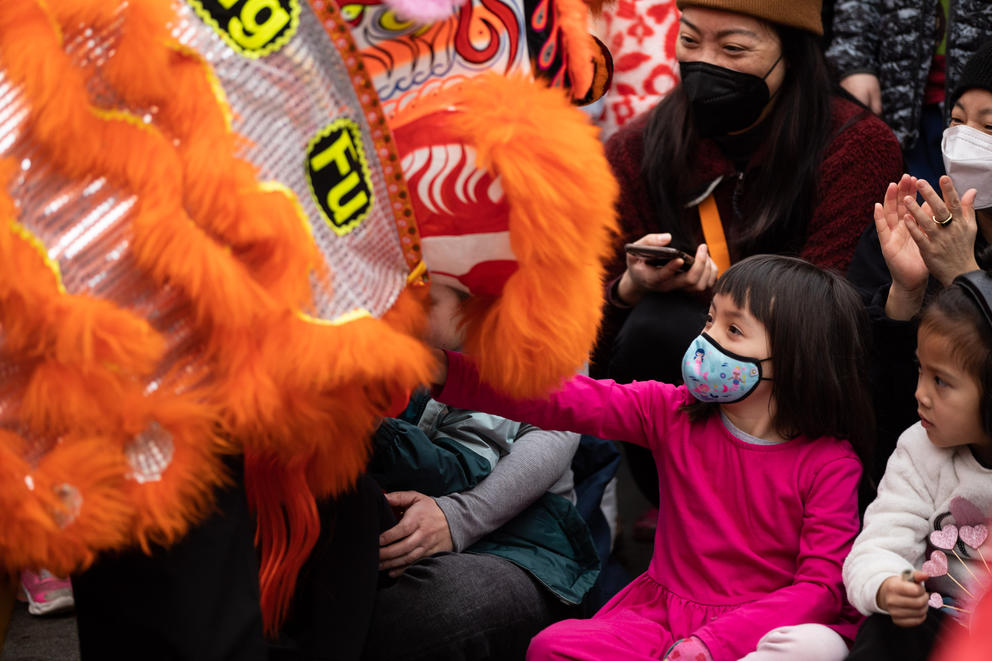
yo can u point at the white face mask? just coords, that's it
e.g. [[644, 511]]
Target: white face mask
[[968, 161]]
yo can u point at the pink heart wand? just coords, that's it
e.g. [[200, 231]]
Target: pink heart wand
[[975, 536], [937, 601], [937, 566], [946, 538]]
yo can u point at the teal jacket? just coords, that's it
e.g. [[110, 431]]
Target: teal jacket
[[454, 450]]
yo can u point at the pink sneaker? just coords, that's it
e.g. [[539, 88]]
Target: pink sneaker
[[46, 594]]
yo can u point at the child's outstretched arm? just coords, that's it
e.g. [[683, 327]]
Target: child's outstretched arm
[[816, 595], [637, 412]]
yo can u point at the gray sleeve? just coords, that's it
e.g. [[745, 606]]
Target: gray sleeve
[[536, 461], [854, 48]]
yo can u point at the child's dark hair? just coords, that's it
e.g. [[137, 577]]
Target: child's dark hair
[[954, 315], [817, 327]]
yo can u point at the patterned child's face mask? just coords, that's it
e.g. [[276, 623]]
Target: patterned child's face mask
[[713, 374]]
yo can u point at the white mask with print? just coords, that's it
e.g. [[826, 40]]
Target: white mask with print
[[968, 161]]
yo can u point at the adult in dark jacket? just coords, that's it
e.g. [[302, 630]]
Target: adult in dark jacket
[[923, 255], [792, 167], [901, 58], [489, 548]]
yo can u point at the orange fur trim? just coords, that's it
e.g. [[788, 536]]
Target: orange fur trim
[[94, 357], [82, 140], [87, 380], [266, 228], [561, 194], [77, 330], [264, 225], [166, 508], [32, 507], [87, 345], [309, 365], [409, 312], [305, 394], [573, 17], [59, 399]]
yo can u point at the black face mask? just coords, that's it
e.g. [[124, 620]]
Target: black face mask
[[723, 100]]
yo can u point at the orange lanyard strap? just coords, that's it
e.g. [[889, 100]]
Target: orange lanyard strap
[[716, 242]]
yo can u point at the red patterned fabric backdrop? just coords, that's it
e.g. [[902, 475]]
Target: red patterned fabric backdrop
[[641, 37]]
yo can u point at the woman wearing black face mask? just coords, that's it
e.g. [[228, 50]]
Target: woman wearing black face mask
[[753, 152]]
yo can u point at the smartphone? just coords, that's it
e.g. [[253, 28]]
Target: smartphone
[[660, 255]]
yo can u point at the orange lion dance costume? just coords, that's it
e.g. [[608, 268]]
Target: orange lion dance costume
[[208, 246]]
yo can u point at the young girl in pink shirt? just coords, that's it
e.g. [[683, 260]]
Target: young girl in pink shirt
[[758, 462]]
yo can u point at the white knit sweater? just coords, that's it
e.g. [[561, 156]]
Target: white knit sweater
[[924, 487]]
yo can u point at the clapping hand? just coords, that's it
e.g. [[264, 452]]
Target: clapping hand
[[944, 229], [902, 255]]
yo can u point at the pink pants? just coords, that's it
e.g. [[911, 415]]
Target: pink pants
[[641, 639]]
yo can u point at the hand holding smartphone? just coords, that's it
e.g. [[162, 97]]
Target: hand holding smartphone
[[659, 255]]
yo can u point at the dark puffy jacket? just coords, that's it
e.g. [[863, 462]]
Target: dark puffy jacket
[[549, 539], [894, 39]]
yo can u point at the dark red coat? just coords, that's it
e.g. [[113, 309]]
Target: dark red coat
[[858, 164]]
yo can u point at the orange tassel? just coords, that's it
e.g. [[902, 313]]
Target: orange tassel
[[288, 528]]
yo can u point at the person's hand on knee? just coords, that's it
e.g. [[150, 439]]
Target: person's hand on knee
[[422, 531]]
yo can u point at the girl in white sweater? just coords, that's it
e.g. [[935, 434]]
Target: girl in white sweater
[[924, 536]]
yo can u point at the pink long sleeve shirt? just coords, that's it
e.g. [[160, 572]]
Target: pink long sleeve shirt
[[751, 536]]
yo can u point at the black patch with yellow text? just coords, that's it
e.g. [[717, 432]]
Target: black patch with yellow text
[[339, 175], [253, 28]]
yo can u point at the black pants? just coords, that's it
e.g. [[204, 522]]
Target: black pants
[[199, 599], [879, 639], [461, 607], [335, 592], [650, 346], [196, 600]]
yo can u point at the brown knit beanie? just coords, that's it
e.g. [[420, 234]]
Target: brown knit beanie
[[802, 14]]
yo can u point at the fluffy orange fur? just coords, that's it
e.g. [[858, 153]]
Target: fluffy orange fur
[[164, 509], [88, 355], [35, 521], [265, 228], [87, 359], [302, 396]]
